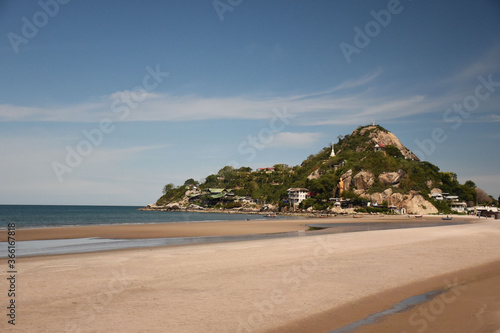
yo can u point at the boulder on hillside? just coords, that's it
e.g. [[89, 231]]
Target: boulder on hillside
[[363, 180], [436, 190], [380, 197], [269, 208], [390, 178], [193, 206], [416, 204], [173, 206], [413, 202], [347, 178], [314, 175]]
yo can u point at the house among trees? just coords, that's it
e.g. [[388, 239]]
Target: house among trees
[[266, 170], [452, 200], [297, 195], [458, 207], [379, 147]]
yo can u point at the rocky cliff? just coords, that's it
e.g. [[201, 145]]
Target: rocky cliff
[[386, 138]]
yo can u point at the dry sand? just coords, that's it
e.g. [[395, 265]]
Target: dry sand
[[304, 284]]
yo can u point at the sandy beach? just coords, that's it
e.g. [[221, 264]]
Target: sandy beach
[[303, 284], [199, 229], [179, 229]]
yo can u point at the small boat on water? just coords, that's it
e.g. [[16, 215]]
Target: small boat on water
[[357, 216], [418, 216], [447, 218], [270, 215]]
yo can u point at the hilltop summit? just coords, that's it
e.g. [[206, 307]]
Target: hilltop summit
[[380, 135]]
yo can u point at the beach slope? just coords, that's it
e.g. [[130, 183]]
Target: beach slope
[[275, 285]]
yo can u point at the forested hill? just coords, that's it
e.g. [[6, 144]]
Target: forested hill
[[370, 164]]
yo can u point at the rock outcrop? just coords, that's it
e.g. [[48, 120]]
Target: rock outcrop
[[412, 202], [347, 179], [269, 208], [436, 190], [173, 206], [314, 175], [416, 204], [196, 207], [390, 178], [363, 180], [387, 139]]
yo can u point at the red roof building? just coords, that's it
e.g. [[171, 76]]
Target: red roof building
[[379, 147]]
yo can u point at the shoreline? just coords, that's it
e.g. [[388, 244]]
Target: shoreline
[[206, 228]]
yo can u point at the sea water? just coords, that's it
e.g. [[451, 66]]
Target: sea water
[[40, 216]]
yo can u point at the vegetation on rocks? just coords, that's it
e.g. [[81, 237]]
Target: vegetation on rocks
[[356, 162]]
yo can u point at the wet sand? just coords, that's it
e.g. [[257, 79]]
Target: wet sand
[[179, 229], [303, 284], [199, 229]]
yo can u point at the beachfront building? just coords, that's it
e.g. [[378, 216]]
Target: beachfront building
[[480, 210], [297, 195], [458, 207]]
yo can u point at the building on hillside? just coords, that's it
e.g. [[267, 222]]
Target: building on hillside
[[444, 196], [437, 196], [379, 147], [332, 154], [266, 170], [450, 198], [194, 196], [219, 194], [297, 195], [245, 199], [217, 190]]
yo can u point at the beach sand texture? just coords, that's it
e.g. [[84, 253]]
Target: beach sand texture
[[303, 284]]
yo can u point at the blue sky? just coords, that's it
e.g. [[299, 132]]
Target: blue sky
[[104, 102]]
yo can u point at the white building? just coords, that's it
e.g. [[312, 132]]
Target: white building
[[478, 209], [297, 195], [458, 207], [379, 147], [452, 198], [444, 196], [332, 154], [437, 196]]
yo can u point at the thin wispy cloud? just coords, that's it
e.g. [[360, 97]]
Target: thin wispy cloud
[[359, 82], [341, 104], [165, 107], [486, 64], [294, 140]]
